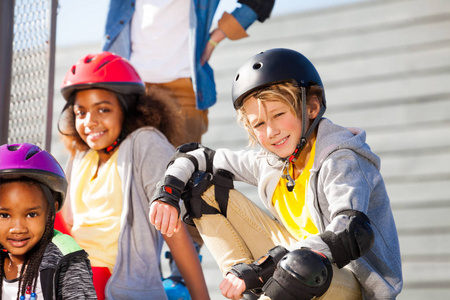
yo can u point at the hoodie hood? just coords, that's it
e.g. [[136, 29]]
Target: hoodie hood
[[335, 137]]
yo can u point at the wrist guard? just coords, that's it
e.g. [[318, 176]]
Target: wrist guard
[[256, 274], [169, 191]]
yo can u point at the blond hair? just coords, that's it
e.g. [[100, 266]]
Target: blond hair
[[288, 93]]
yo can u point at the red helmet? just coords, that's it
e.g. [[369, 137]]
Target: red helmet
[[104, 70]]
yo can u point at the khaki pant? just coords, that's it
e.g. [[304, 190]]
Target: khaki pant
[[181, 93], [248, 233]]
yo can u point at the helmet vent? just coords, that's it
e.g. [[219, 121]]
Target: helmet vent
[[31, 154], [101, 66], [13, 147], [73, 69], [257, 66], [237, 77]]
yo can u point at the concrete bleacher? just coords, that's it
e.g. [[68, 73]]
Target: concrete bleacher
[[385, 65]]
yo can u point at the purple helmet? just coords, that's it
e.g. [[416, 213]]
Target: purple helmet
[[28, 160]]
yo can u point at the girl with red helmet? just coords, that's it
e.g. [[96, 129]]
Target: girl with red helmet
[[328, 231], [120, 142], [36, 260]]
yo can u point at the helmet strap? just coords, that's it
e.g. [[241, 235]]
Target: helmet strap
[[49, 196], [116, 143], [302, 143], [303, 140]]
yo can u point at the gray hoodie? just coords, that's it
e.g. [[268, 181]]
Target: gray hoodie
[[345, 175]]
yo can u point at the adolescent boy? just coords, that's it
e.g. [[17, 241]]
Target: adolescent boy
[[330, 232]]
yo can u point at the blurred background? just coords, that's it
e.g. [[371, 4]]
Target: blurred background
[[385, 65]]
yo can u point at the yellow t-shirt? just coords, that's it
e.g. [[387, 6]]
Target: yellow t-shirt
[[97, 207], [291, 206]]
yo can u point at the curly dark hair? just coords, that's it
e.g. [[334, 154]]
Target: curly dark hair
[[145, 111], [30, 269]]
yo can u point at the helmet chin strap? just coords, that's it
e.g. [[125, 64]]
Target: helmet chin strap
[[303, 140], [116, 143]]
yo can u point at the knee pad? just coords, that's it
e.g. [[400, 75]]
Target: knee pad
[[352, 242], [197, 185], [300, 275]]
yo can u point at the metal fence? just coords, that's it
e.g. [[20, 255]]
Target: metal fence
[[27, 51]]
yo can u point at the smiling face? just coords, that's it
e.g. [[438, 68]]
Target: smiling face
[[98, 117], [274, 125], [23, 216]]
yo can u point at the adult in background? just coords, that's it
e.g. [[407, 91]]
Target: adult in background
[[169, 42]]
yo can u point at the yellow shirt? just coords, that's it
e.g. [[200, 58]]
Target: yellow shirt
[[291, 206], [97, 207]]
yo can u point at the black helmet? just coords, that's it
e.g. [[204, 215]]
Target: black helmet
[[276, 66], [273, 66]]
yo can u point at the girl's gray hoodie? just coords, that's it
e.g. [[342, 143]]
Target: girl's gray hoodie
[[141, 161]]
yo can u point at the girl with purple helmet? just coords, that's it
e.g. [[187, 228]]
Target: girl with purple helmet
[[36, 260]]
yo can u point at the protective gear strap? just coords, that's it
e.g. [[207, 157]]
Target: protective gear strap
[[49, 196], [188, 156], [192, 197], [256, 274], [169, 191], [352, 242], [182, 151], [223, 183], [248, 273], [302, 274], [197, 185]]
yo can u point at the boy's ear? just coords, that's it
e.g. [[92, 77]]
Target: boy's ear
[[313, 107], [56, 205]]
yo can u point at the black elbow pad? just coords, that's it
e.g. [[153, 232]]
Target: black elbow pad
[[352, 242]]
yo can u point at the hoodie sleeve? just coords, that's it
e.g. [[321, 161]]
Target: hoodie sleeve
[[75, 278]]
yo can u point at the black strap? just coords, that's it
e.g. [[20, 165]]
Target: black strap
[[182, 151], [277, 290], [169, 191], [248, 274], [223, 183], [47, 283]]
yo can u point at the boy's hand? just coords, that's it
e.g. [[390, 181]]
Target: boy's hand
[[165, 217], [169, 190], [232, 287]]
